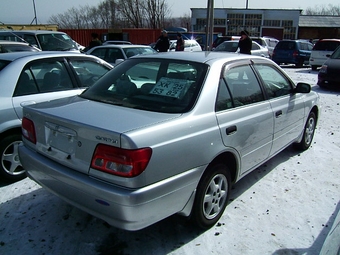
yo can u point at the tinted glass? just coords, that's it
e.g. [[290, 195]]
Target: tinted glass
[[326, 45], [286, 45], [154, 85]]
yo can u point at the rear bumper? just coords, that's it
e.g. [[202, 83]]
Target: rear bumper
[[129, 209]]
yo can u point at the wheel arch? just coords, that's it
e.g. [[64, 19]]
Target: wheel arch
[[16, 130], [229, 159]]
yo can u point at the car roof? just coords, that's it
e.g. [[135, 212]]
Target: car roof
[[11, 56], [31, 32], [12, 42], [199, 56], [123, 46]]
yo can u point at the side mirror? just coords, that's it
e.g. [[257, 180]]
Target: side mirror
[[118, 61], [302, 87]]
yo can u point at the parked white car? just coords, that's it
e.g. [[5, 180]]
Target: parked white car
[[30, 77], [189, 45]]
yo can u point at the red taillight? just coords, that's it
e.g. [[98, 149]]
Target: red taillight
[[122, 162], [28, 130], [295, 54]]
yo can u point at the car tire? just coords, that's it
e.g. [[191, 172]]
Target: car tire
[[308, 133], [300, 63], [211, 197], [314, 67], [10, 168]]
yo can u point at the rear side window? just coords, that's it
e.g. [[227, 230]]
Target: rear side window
[[326, 45], [42, 77]]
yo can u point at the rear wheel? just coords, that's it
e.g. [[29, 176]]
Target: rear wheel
[[314, 68], [212, 196], [300, 63], [10, 167], [308, 133]]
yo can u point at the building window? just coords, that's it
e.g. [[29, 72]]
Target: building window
[[235, 22], [289, 31], [271, 23]]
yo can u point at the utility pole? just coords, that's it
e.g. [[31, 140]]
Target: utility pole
[[35, 15], [210, 25]]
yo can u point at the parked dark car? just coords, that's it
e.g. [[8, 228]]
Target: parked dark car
[[292, 52], [329, 72]]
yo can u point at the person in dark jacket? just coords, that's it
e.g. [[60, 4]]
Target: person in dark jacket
[[95, 41], [162, 44], [179, 43], [245, 43]]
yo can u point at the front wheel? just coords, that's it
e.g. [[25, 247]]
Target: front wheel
[[308, 133], [212, 196], [10, 167]]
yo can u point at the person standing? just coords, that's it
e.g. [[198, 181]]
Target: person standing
[[95, 41], [179, 43], [162, 44], [245, 43]]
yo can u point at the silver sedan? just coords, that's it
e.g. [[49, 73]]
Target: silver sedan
[[32, 77], [166, 134]]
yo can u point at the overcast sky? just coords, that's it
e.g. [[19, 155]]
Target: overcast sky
[[22, 11]]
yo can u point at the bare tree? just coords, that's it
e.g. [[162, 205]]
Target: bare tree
[[133, 12], [109, 14], [156, 13], [331, 10]]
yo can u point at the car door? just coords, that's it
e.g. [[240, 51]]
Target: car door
[[245, 119], [288, 108]]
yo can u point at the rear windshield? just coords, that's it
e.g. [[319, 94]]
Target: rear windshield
[[286, 45], [159, 85], [326, 45]]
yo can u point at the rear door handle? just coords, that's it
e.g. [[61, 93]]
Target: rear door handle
[[231, 130], [278, 114]]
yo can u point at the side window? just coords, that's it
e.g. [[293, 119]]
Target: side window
[[25, 85], [223, 101], [114, 54], [276, 84], [244, 87], [100, 53], [255, 47], [51, 75], [88, 72], [42, 77]]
